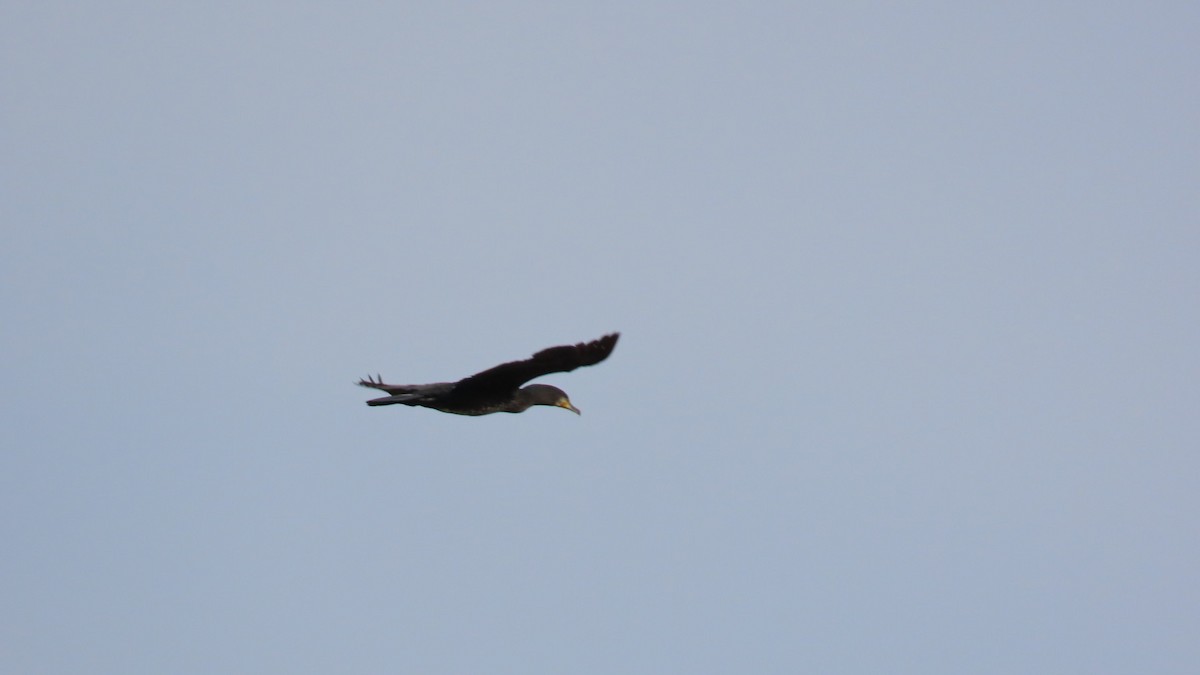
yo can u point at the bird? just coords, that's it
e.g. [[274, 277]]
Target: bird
[[499, 389]]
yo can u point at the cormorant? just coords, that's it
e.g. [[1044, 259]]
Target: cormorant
[[499, 389]]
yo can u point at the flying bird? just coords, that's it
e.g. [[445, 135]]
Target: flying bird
[[499, 389]]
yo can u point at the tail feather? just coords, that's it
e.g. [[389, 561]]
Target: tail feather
[[407, 394], [406, 399], [377, 383]]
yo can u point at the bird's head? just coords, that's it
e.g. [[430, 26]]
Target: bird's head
[[544, 394]]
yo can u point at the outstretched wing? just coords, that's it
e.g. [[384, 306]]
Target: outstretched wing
[[562, 359]]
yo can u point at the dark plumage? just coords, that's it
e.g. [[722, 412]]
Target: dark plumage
[[499, 389]]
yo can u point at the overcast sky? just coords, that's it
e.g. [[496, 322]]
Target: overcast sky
[[907, 383]]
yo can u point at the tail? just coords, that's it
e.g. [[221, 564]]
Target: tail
[[377, 383], [406, 399], [400, 393]]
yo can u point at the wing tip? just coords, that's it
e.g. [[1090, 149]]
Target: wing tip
[[599, 349]]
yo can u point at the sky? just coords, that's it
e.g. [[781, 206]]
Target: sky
[[907, 380]]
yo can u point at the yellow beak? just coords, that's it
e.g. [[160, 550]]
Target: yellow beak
[[567, 404]]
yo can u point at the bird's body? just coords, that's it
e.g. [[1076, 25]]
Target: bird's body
[[499, 389]]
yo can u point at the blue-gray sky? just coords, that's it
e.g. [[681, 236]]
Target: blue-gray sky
[[908, 381]]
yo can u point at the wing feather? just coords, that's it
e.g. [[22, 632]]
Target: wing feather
[[561, 359]]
